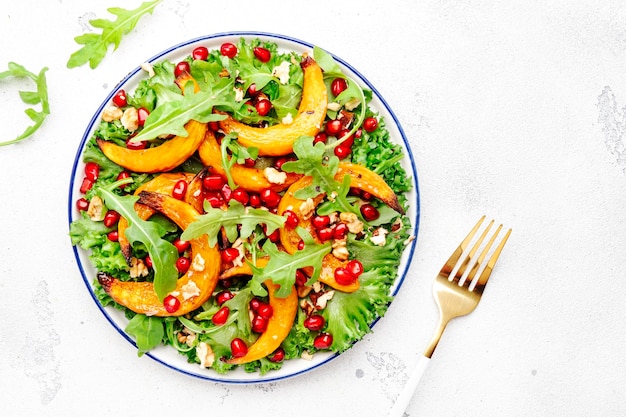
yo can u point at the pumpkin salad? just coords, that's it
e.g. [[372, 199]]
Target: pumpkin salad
[[244, 206]]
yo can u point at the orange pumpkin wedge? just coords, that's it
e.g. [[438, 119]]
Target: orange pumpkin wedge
[[278, 139], [192, 289], [278, 326], [164, 157]]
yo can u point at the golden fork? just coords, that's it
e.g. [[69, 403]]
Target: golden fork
[[457, 292]]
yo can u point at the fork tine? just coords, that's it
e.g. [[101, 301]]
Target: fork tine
[[472, 252], [484, 276], [481, 258], [456, 255]]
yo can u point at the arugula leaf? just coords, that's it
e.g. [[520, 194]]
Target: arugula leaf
[[236, 215], [162, 253], [147, 330], [96, 45], [281, 267], [40, 96]]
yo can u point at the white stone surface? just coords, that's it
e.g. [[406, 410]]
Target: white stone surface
[[513, 109]]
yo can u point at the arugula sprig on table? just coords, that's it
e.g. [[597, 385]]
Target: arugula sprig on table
[[40, 96]]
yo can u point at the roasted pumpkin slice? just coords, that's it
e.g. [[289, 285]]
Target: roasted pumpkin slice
[[279, 324], [278, 139], [164, 184], [248, 178], [192, 289], [164, 157]]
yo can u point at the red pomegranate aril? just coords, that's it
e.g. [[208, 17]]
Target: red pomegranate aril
[[278, 164], [274, 236], [181, 245], [221, 316], [214, 198], [333, 127], [343, 276], [228, 50], [349, 139], [227, 193], [262, 54], [254, 304], [223, 296], [86, 185], [369, 212], [265, 310], [325, 234], [354, 267], [238, 348], [229, 254], [214, 126], [249, 162], [252, 91], [182, 264], [180, 190], [171, 304], [92, 170], [148, 261], [259, 324], [213, 182], [292, 219], [113, 236], [136, 146], [255, 200], [342, 151], [323, 341], [122, 176], [337, 86], [263, 107], [370, 124], [301, 278], [320, 137], [200, 53], [181, 68], [269, 198], [277, 356], [119, 99], [366, 196], [315, 322], [301, 245], [142, 115], [320, 222], [340, 231], [82, 204], [241, 195], [111, 218]]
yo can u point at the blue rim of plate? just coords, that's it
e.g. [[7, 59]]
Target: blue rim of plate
[[272, 376]]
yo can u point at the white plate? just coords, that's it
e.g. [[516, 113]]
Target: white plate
[[166, 355]]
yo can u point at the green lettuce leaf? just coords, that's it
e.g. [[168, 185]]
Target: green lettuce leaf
[[148, 332]]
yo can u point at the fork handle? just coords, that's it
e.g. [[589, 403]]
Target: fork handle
[[404, 398]]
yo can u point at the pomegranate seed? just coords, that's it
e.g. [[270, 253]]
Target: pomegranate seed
[[301, 278], [220, 316], [182, 264], [136, 146], [119, 99], [229, 254], [366, 196], [179, 190], [269, 198], [142, 115], [343, 276], [333, 127], [255, 200], [277, 356], [227, 193], [238, 348], [214, 198], [113, 236], [82, 204], [315, 322], [342, 151], [340, 231], [325, 234], [86, 185], [354, 267], [200, 53], [320, 222], [111, 218], [265, 310], [122, 176], [249, 162], [337, 86], [274, 236], [259, 324], [370, 124], [320, 137], [292, 219], [323, 341], [171, 304], [252, 91], [181, 245], [369, 212], [263, 107], [228, 50], [262, 54], [223, 296], [301, 245], [214, 126], [254, 304], [348, 141], [213, 182], [148, 261], [181, 68], [241, 196], [92, 170]]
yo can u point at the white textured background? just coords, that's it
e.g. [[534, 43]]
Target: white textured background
[[513, 109]]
